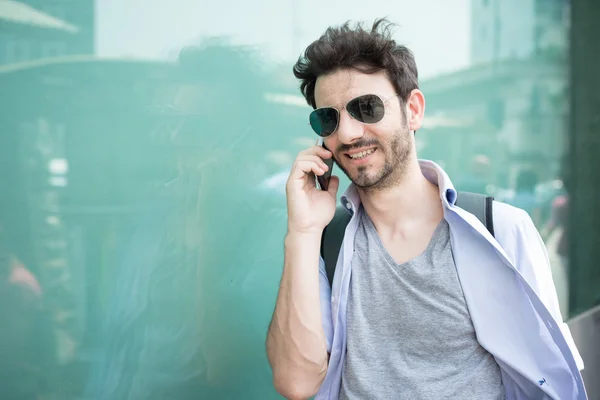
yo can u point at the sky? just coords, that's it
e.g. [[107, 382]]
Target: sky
[[437, 31]]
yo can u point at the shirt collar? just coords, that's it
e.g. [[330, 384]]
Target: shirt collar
[[433, 172]]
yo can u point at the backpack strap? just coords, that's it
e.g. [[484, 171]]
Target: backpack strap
[[333, 235], [480, 206], [331, 242]]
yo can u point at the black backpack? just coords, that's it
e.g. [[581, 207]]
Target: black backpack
[[477, 204]]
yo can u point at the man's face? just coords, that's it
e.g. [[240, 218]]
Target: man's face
[[388, 143]]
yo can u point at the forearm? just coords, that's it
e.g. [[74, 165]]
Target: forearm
[[296, 345]]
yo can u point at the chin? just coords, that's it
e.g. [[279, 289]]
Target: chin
[[367, 184], [368, 176], [366, 180]]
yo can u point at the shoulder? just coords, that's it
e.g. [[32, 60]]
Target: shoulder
[[514, 230], [521, 241], [507, 216]]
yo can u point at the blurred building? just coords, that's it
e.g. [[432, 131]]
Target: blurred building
[[515, 90], [35, 29], [103, 141], [509, 29], [44, 151]]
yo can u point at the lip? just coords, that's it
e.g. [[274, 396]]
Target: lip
[[362, 160]]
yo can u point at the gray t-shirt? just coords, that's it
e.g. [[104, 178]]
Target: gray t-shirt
[[410, 335]]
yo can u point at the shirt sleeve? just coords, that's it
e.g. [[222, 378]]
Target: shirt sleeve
[[531, 259], [325, 300]]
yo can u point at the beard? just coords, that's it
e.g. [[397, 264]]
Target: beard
[[396, 152]]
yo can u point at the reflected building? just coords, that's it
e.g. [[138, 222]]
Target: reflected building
[[517, 85], [37, 29], [51, 146], [513, 29], [134, 180]]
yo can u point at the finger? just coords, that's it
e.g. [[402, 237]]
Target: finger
[[315, 159], [316, 150], [334, 184], [323, 152], [302, 168]]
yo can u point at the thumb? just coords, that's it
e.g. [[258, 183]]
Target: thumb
[[334, 184]]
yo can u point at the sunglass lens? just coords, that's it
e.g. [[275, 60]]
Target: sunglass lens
[[368, 109], [324, 121]]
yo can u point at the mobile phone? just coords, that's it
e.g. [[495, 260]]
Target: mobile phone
[[323, 180]]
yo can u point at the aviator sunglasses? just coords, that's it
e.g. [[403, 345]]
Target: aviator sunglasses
[[367, 109]]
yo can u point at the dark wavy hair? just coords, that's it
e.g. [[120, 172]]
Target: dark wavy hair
[[367, 51]]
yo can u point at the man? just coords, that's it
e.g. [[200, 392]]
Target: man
[[425, 303]]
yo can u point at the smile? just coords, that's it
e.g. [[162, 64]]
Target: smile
[[362, 154]]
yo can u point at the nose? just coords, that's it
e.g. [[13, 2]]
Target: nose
[[349, 130]]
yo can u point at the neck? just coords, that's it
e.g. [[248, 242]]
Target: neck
[[413, 200]]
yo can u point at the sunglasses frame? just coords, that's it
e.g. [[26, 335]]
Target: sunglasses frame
[[384, 101]]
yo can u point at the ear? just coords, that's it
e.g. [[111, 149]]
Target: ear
[[416, 109]]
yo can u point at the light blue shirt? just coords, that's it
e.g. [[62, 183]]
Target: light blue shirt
[[509, 290]]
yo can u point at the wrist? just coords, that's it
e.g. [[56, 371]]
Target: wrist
[[294, 237]]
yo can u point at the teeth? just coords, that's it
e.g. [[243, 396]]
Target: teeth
[[362, 154]]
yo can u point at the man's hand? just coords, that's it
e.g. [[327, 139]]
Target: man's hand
[[310, 209]]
